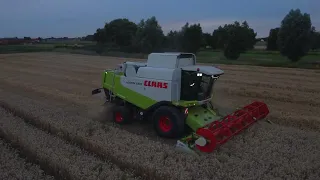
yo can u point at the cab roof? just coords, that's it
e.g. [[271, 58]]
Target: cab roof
[[176, 54], [209, 70]]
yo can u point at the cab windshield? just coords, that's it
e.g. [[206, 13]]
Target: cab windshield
[[196, 86]]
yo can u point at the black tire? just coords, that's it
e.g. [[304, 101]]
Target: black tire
[[121, 115], [175, 118]]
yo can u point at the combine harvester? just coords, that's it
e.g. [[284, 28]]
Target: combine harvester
[[175, 94]]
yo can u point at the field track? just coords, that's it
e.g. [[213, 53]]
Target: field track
[[12, 166], [45, 100]]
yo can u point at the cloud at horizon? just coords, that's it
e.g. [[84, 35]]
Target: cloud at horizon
[[75, 18]]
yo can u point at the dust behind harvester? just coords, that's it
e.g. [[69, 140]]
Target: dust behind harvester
[[172, 92]]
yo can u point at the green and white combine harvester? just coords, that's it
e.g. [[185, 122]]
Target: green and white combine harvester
[[175, 94]]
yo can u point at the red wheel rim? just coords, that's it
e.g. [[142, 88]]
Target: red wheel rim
[[118, 117], [165, 124]]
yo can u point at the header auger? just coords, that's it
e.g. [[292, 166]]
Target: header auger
[[174, 93]]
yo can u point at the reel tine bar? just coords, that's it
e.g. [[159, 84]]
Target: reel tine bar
[[219, 132]]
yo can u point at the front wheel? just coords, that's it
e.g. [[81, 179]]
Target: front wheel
[[121, 115], [168, 122]]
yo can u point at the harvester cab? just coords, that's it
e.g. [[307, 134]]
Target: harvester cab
[[174, 93]]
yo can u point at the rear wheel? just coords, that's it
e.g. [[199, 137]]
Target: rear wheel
[[122, 115], [168, 122]]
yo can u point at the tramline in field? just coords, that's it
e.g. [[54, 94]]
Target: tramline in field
[[175, 94]]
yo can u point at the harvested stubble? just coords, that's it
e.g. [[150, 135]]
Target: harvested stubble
[[14, 167], [272, 85], [310, 99], [302, 116], [52, 75], [264, 151], [79, 130], [88, 69], [272, 70], [293, 95], [284, 109], [65, 161]]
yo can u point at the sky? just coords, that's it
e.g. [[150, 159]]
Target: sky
[[76, 18]]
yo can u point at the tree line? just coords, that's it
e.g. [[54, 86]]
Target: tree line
[[294, 38]]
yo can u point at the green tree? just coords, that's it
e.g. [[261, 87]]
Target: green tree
[[234, 39], [88, 38], [149, 36], [249, 36], [315, 43], [191, 38], [100, 36], [172, 41], [235, 42], [242, 36], [272, 39], [294, 37], [120, 32], [231, 51], [219, 37], [206, 39]]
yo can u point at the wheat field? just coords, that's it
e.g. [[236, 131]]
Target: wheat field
[[50, 122]]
